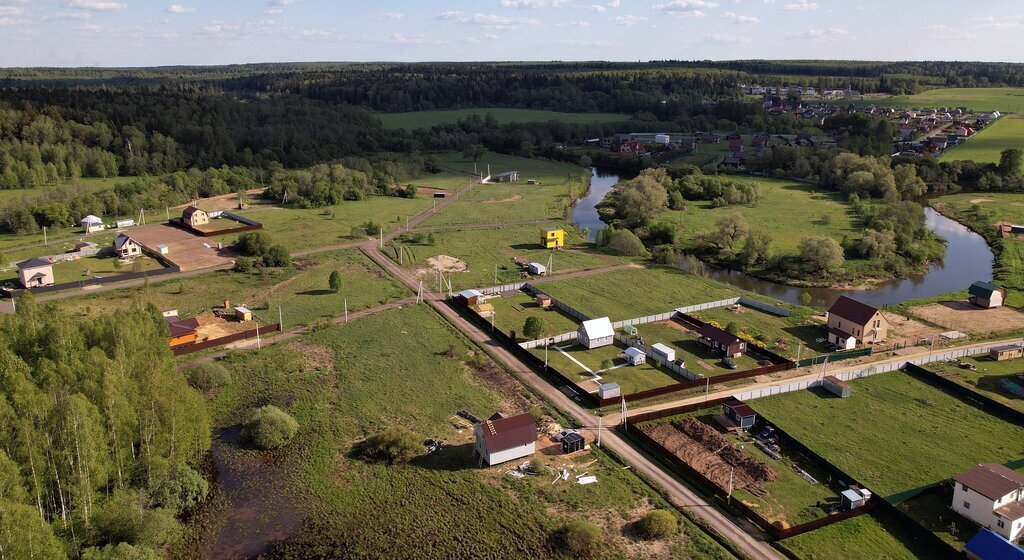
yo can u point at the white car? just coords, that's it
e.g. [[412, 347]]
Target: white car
[[560, 435]]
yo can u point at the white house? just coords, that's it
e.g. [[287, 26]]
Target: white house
[[635, 356], [35, 273], [595, 333], [126, 247], [91, 223], [662, 139], [501, 439], [537, 269], [992, 496], [663, 353]]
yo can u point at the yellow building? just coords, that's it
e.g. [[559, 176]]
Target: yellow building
[[552, 238]]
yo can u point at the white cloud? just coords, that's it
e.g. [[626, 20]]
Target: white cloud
[[601, 8], [684, 6], [800, 6], [946, 32], [5, 20], [533, 4], [487, 21], [627, 20], [273, 11], [281, 2], [56, 16], [179, 9], [481, 38], [585, 43], [11, 10], [831, 34], [725, 39], [90, 28], [96, 5], [389, 15], [736, 18], [577, 23]]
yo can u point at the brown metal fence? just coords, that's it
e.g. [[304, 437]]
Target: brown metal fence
[[188, 349]]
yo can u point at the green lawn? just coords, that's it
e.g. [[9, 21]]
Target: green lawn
[[301, 228], [511, 312], [484, 249], [931, 510], [631, 379], [787, 211], [79, 269], [778, 334], [628, 294], [697, 358], [867, 536], [301, 291], [985, 146], [983, 379], [1004, 99], [428, 119], [409, 367], [895, 434]]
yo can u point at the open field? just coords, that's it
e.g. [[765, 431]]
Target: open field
[[627, 294], [480, 253], [512, 310], [428, 119], [867, 536], [300, 291], [895, 434], [1003, 99], [787, 211], [984, 377], [985, 146], [11, 197], [302, 228], [557, 185], [342, 385]]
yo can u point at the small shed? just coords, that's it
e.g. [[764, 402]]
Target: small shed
[[630, 330], [854, 498], [544, 301], [439, 194], [608, 390], [537, 269], [635, 356], [470, 297], [663, 353], [724, 342], [507, 177], [739, 412], [124, 223], [1006, 352], [595, 333], [91, 224], [195, 217], [242, 313], [836, 386], [163, 249], [987, 295], [841, 339], [552, 238], [572, 443]]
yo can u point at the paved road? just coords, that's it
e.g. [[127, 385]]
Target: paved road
[[680, 493]]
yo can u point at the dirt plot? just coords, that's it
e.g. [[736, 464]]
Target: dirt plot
[[211, 326], [444, 263], [710, 454], [964, 317], [903, 329], [188, 251]]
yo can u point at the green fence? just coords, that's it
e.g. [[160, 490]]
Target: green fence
[[834, 357]]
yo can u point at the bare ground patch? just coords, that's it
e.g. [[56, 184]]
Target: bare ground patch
[[964, 317], [513, 198], [903, 328], [980, 200], [211, 326], [444, 263]]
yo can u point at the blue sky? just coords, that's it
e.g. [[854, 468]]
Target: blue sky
[[148, 32]]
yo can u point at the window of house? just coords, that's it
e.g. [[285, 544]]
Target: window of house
[[967, 505], [1000, 523], [963, 487]]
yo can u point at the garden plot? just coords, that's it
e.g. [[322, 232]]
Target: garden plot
[[781, 335], [964, 317], [698, 359], [511, 311], [606, 364]]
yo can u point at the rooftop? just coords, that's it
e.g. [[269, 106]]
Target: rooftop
[[506, 433], [991, 480], [853, 310]]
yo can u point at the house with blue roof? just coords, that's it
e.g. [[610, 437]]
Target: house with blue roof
[[987, 545]]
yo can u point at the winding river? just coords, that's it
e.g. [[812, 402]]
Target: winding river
[[968, 258]]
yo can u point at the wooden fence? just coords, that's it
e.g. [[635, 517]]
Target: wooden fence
[[190, 348]]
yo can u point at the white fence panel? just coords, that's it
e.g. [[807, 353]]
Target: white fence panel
[[491, 290], [553, 340], [708, 305]]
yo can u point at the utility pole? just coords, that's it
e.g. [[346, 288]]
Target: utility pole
[[707, 388], [258, 344], [346, 310], [44, 236], [280, 320], [381, 238], [400, 251], [495, 274], [600, 423], [168, 211], [547, 342], [799, 347], [729, 497], [625, 414]]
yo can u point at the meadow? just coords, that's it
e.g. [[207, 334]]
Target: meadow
[[488, 254], [1003, 99], [985, 146], [301, 291], [984, 377], [872, 535], [632, 293], [428, 119], [512, 310], [342, 385], [895, 434]]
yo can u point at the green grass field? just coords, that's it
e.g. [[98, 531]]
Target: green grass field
[[343, 384], [78, 269], [787, 211], [985, 146], [866, 536], [68, 188], [631, 379], [301, 291], [697, 359], [628, 294], [511, 312], [984, 378], [895, 434], [1003, 99], [484, 249], [428, 119], [301, 228]]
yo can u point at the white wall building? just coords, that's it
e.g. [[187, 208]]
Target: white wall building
[[596, 333], [992, 496]]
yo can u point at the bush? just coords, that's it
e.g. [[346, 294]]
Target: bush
[[533, 327], [277, 255], [269, 427], [626, 243], [657, 524], [392, 446], [580, 539], [181, 489], [253, 243], [122, 551], [243, 264], [208, 376], [334, 281]]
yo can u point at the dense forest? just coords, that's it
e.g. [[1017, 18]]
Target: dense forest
[[100, 436]]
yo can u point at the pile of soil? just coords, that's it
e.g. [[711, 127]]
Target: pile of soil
[[710, 453], [444, 263]]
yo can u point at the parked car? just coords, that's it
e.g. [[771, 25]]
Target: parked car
[[560, 435], [728, 363]]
